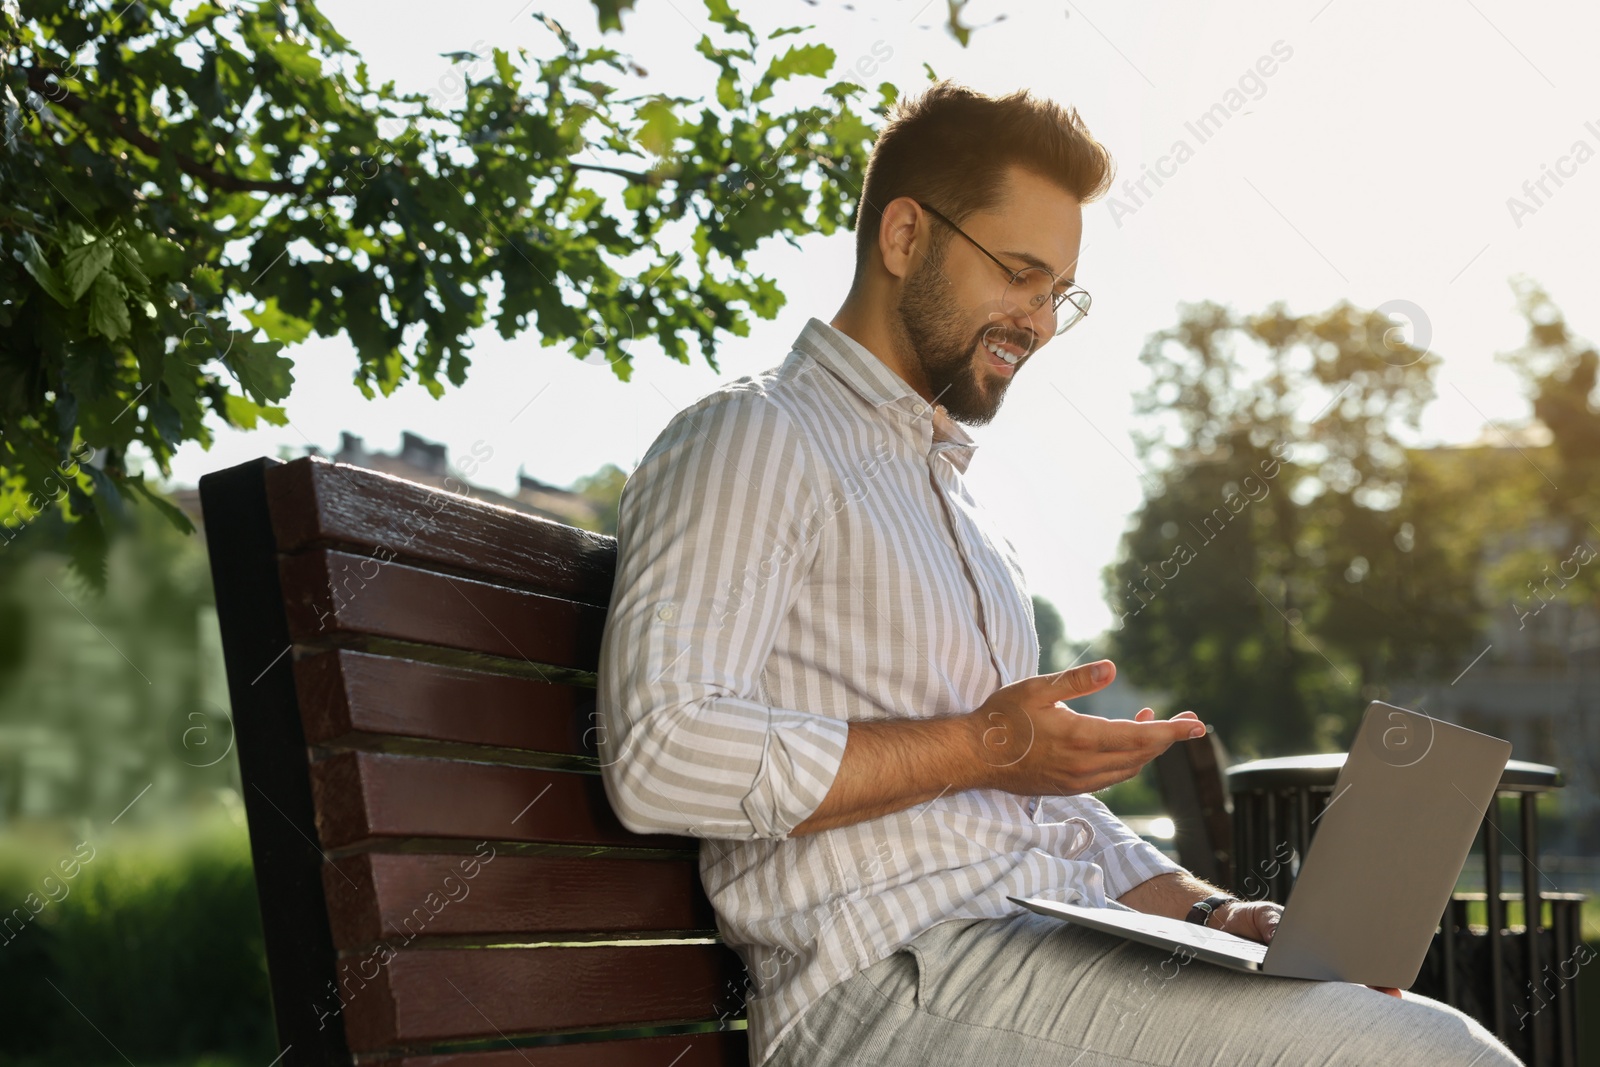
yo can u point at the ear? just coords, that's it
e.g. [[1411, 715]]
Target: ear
[[902, 236]]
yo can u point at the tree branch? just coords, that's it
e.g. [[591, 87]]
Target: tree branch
[[631, 175], [123, 128]]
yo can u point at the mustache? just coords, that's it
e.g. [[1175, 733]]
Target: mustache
[[1000, 334]]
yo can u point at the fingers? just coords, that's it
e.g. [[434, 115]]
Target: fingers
[[1149, 715], [1076, 681], [1144, 732], [1051, 689]]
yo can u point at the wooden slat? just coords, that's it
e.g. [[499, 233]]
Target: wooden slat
[[478, 589], [424, 995], [329, 592], [365, 795], [722, 1049], [375, 896], [344, 690], [314, 501]]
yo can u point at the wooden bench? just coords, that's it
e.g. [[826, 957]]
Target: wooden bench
[[442, 880]]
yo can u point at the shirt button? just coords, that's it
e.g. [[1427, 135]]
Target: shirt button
[[919, 409], [665, 613]]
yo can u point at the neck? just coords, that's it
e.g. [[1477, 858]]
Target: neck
[[871, 324]]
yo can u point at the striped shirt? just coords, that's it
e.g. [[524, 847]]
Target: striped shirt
[[798, 549]]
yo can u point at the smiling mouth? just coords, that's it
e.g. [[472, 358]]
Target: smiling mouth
[[1003, 355]]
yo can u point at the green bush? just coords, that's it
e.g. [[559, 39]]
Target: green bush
[[156, 942], [1139, 795]]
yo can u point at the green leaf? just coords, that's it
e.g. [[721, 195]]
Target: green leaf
[[728, 94], [243, 412], [126, 264], [660, 127], [173, 513], [108, 308], [91, 371], [279, 326], [82, 265], [811, 59], [609, 12], [503, 67], [39, 267], [261, 371], [722, 13]]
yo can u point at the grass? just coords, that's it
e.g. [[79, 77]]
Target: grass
[[1477, 915], [145, 946]]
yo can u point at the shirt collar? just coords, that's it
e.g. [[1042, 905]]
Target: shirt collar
[[872, 379]]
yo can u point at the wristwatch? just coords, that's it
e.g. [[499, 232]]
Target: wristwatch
[[1202, 911]]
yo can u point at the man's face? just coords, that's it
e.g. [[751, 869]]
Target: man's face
[[953, 311]]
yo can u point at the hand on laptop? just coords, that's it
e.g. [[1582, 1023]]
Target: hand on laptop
[[1032, 743], [1258, 921]]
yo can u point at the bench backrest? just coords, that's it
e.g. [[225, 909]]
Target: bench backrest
[[440, 874], [1195, 795]]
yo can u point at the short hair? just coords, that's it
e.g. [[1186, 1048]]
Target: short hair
[[950, 146]]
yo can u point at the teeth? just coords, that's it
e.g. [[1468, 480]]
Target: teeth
[[1002, 353]]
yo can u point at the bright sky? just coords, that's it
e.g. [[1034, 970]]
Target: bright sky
[[1374, 163]]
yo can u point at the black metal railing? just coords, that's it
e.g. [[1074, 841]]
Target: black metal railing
[[1519, 981]]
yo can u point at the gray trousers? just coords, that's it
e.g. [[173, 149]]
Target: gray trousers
[[1031, 991]]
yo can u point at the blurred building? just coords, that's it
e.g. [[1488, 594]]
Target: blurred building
[[423, 461], [1536, 681]]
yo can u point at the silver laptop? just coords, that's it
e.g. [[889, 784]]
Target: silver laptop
[[1379, 873]]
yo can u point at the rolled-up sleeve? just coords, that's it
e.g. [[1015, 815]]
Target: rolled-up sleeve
[[1126, 858], [716, 528]]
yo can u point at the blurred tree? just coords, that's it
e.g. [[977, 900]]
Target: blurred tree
[[1276, 575], [1052, 636], [604, 489], [1560, 370], [188, 189], [118, 692]]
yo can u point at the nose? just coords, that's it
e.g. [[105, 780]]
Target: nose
[[1018, 311]]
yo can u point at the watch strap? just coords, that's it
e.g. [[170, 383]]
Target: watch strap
[[1202, 910]]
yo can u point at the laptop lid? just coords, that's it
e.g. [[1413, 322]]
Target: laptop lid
[[1388, 849]]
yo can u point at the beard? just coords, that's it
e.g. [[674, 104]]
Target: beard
[[937, 336]]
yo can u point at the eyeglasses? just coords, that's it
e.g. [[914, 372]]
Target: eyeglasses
[[1036, 290]]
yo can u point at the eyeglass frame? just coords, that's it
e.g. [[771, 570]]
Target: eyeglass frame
[[1055, 305]]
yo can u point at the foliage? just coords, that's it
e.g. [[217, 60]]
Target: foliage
[[1561, 501], [1139, 795], [100, 697], [188, 190], [1052, 635], [1278, 574], [157, 938], [603, 488], [1559, 370]]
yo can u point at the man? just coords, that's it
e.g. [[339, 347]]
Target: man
[[820, 658]]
